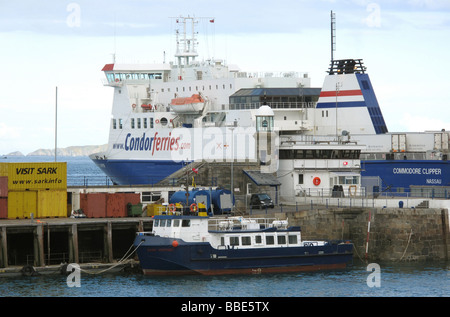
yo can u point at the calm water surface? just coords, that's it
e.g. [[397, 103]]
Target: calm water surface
[[396, 280]]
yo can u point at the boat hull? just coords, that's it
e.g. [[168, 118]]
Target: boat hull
[[161, 256], [137, 172]]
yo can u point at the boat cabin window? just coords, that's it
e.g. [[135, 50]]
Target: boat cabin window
[[270, 240], [281, 239], [156, 223], [176, 222], [258, 239], [234, 240], [292, 239], [168, 222], [186, 223], [246, 240]]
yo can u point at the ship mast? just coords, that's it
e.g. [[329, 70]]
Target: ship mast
[[333, 35], [186, 43]]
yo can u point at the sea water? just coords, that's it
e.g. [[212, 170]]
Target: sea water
[[393, 280]]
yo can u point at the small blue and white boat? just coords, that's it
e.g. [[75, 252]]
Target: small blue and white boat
[[179, 245]]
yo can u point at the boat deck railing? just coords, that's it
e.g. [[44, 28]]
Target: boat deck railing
[[241, 223], [273, 105]]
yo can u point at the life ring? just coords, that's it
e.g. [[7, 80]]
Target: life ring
[[133, 105], [172, 208], [157, 121], [316, 181], [117, 80], [193, 207], [352, 190]]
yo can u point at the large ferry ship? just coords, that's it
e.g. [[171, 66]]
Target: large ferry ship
[[167, 115]]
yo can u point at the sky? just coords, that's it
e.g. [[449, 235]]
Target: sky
[[56, 43]]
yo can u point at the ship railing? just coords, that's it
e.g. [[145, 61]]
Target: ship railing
[[274, 74], [273, 105], [243, 223]]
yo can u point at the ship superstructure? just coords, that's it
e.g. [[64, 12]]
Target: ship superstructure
[[167, 115]]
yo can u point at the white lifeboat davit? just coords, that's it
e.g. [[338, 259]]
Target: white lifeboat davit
[[193, 104]]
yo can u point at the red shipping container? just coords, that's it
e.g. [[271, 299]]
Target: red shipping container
[[115, 206], [93, 204], [132, 198], [3, 208], [3, 186]]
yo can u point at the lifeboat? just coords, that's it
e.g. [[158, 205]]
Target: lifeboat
[[193, 104], [146, 107]]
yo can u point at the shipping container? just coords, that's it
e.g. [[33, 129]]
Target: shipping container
[[4, 169], [155, 209], [52, 204], [26, 176], [93, 204], [3, 207], [22, 204], [116, 205], [3, 186]]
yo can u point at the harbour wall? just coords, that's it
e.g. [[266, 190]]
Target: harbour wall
[[380, 234]]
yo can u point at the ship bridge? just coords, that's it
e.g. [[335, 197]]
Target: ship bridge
[[276, 98], [118, 74]]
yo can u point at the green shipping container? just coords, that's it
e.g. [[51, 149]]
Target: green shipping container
[[134, 210]]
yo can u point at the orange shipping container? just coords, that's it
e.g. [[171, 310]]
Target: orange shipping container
[[3, 208], [93, 204]]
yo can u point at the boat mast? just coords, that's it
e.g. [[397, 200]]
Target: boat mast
[[186, 44], [333, 35]]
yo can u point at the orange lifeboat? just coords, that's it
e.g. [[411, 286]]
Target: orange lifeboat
[[195, 103]]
